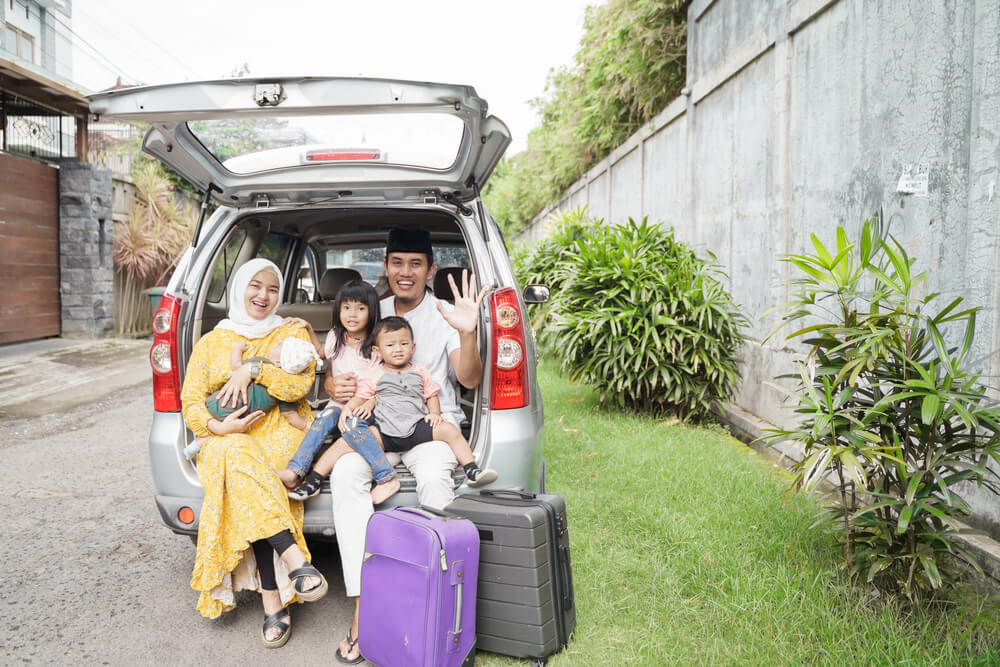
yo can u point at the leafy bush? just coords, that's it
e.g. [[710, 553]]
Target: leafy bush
[[890, 410], [631, 63], [637, 315]]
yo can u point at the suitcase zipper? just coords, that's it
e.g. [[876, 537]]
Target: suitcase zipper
[[444, 561]]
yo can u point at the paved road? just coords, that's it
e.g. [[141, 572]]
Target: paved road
[[90, 576]]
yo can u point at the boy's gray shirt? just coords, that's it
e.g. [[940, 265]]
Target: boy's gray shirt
[[399, 402]]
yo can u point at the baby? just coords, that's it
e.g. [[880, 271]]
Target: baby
[[292, 355]]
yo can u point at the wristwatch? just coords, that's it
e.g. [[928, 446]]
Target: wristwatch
[[254, 370]]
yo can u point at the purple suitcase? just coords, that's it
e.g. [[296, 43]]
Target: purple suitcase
[[418, 589]]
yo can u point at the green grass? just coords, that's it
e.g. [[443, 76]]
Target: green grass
[[684, 553]]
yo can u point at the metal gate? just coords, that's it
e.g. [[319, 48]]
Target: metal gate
[[29, 249]]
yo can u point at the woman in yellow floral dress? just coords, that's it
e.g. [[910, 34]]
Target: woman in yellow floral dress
[[246, 516]]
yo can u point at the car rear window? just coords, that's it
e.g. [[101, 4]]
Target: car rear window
[[368, 261], [249, 145]]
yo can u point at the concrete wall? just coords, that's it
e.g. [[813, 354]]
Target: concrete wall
[[801, 115], [85, 250]]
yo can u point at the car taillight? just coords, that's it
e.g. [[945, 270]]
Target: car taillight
[[343, 154], [163, 356], [509, 385]]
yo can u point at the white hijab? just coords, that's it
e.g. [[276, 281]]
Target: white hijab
[[239, 319]]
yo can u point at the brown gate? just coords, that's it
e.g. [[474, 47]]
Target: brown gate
[[29, 249]]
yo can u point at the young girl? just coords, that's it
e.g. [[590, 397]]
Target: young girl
[[356, 310]]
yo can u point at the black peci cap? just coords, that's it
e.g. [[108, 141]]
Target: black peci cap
[[410, 240]]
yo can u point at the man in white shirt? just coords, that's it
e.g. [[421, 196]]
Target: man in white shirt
[[445, 342]]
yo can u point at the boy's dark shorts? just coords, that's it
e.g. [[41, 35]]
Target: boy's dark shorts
[[421, 433]]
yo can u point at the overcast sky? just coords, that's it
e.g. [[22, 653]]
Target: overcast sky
[[505, 50]]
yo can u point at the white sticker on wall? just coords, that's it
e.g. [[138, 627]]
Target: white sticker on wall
[[913, 180]]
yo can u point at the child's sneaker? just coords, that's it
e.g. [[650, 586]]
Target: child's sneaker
[[308, 488], [475, 477]]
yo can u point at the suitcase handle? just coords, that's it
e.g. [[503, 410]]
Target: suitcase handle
[[567, 577], [516, 493], [426, 512]]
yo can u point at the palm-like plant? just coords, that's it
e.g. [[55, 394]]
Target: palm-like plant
[[889, 411], [148, 244]]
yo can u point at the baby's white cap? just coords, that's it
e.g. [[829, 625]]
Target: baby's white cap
[[296, 354]]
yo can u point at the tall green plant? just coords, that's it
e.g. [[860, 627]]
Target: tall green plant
[[148, 243], [630, 64], [641, 318], [889, 410]]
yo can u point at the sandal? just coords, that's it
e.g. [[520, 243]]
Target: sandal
[[275, 621], [306, 489], [352, 643], [298, 576]]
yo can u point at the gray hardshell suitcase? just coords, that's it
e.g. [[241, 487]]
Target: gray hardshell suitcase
[[525, 605]]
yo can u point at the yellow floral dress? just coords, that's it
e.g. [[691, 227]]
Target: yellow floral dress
[[244, 499]]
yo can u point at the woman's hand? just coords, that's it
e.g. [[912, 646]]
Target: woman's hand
[[433, 418], [341, 387], [234, 391], [235, 422]]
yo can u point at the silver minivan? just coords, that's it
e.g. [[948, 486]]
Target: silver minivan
[[312, 173]]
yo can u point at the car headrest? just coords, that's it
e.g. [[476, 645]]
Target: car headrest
[[442, 289], [335, 278]]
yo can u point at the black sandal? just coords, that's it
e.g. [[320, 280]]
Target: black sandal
[[307, 489], [275, 621], [298, 576], [352, 643]]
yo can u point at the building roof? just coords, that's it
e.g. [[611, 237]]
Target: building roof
[[28, 81]]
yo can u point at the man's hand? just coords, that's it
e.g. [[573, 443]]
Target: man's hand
[[341, 387], [234, 391], [465, 316], [433, 418]]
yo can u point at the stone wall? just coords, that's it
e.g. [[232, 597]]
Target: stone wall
[[86, 247], [802, 115]]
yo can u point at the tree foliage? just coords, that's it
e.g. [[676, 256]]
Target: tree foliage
[[630, 64]]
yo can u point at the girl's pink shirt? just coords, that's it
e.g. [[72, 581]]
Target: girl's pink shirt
[[349, 360]]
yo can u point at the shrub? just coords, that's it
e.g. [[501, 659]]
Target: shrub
[[889, 410], [637, 315]]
